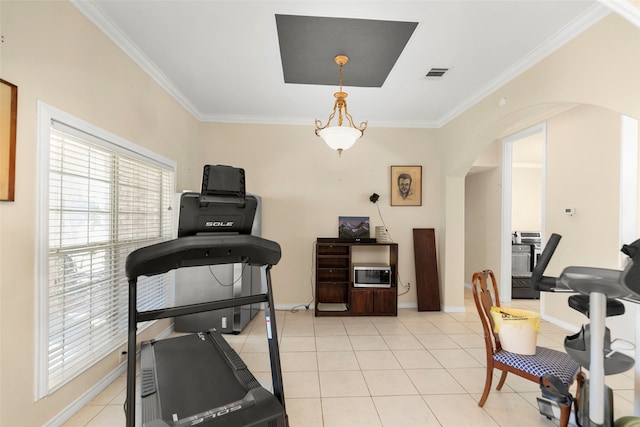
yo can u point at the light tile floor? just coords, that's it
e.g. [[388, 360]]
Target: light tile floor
[[417, 369]]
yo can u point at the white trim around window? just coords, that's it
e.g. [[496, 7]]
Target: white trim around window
[[99, 197]]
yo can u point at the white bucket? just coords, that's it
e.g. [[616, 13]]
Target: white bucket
[[517, 329]]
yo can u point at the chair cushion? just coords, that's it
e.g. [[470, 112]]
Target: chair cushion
[[545, 361]]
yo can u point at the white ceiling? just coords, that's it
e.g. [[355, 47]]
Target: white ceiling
[[221, 59]]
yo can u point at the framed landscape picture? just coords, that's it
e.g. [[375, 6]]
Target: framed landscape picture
[[353, 227], [406, 185]]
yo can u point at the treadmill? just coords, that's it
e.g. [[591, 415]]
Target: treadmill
[[198, 379]]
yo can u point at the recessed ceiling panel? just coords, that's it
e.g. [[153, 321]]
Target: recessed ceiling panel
[[308, 45]]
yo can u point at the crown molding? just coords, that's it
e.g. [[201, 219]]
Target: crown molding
[[94, 14], [625, 9], [306, 121]]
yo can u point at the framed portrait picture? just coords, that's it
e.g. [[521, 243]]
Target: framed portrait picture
[[8, 121], [406, 185]]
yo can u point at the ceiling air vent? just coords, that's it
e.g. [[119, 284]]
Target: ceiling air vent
[[436, 73]]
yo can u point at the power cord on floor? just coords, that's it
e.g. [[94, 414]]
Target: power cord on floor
[[297, 308]]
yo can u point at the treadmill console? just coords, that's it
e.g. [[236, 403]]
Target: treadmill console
[[222, 206]]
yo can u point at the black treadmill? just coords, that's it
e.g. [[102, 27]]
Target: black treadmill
[[198, 379]]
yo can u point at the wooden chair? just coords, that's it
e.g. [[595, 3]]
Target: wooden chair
[[532, 367]]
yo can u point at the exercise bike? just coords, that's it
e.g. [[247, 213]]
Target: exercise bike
[[597, 294]]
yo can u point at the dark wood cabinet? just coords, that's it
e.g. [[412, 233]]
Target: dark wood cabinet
[[374, 301], [335, 293], [385, 301], [361, 301]]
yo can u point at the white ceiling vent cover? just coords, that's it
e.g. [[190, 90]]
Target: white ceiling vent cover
[[436, 73]]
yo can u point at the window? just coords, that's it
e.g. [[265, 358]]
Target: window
[[101, 198]]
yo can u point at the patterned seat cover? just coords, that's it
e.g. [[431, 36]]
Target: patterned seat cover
[[545, 361]]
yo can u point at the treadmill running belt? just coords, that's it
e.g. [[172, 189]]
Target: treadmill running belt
[[191, 373], [198, 379]]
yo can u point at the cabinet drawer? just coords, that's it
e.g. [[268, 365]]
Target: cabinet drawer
[[333, 275], [332, 292], [333, 262], [333, 250]]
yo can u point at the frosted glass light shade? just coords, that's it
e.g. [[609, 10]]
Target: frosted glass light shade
[[340, 137]]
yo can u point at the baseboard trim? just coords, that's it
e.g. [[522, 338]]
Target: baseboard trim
[[571, 328], [288, 307], [454, 309], [67, 413], [410, 305]]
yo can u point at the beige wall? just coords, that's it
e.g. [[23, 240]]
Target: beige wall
[[53, 54], [526, 199], [305, 187], [482, 221], [583, 172]]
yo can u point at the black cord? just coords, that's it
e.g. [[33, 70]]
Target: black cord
[[231, 284], [403, 285], [296, 308], [383, 223], [391, 240]]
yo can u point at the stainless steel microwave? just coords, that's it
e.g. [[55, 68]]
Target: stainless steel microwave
[[371, 276]]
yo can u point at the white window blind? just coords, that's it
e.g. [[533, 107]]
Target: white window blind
[[104, 201]]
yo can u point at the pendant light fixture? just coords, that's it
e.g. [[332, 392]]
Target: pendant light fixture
[[340, 137]]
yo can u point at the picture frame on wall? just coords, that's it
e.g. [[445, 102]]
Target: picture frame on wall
[[8, 123], [406, 186]]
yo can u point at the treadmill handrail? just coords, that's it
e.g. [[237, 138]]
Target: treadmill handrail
[[195, 251], [631, 274], [163, 313], [622, 284], [539, 281], [206, 249]]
